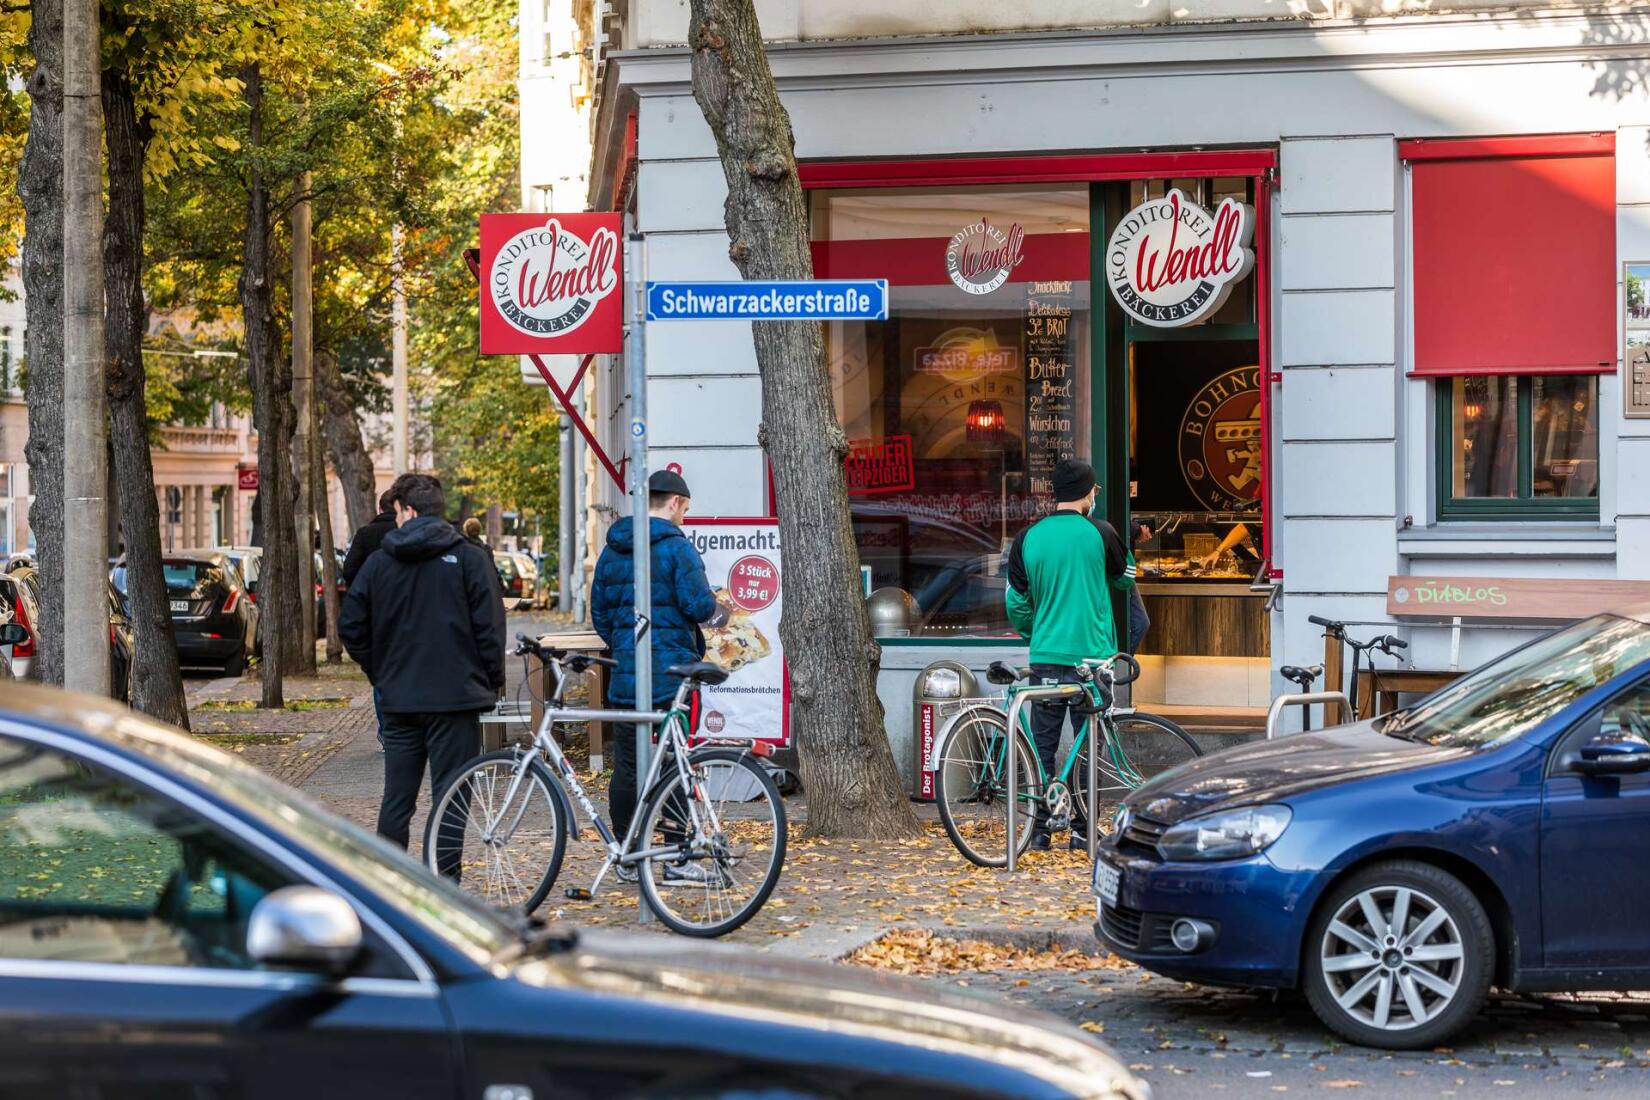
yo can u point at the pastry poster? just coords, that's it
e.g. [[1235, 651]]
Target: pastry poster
[[743, 562]]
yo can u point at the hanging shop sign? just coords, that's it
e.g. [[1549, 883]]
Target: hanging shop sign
[[246, 479], [1220, 442], [981, 256], [880, 465], [1170, 263], [744, 565], [551, 284]]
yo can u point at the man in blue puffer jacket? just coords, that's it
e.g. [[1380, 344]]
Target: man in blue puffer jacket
[[681, 601]]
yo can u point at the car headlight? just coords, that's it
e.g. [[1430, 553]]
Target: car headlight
[[1229, 834]]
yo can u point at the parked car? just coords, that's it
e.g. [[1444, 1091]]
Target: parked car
[[213, 616], [20, 604], [122, 647], [260, 946], [121, 643], [1394, 870], [518, 589], [249, 560], [10, 635]]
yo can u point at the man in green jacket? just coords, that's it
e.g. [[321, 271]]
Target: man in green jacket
[[1061, 571]]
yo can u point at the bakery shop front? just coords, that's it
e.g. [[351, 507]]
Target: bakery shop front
[[1105, 308]]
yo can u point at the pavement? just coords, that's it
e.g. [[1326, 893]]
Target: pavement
[[918, 907]]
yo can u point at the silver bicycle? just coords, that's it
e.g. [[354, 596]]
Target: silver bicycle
[[707, 842]]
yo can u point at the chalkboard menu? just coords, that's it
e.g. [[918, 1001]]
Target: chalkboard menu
[[1051, 382]]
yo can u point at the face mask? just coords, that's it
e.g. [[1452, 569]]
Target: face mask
[[1094, 508]]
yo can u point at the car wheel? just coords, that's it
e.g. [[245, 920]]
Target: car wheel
[[1400, 956]]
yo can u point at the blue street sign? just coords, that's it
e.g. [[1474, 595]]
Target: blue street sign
[[818, 300]]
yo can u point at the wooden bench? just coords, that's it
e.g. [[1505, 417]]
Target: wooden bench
[[496, 724]]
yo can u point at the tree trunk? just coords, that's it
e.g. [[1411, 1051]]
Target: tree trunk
[[329, 557], [853, 786], [156, 682], [271, 383], [40, 184], [350, 460]]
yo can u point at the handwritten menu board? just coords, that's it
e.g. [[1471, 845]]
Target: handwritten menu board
[[1051, 382]]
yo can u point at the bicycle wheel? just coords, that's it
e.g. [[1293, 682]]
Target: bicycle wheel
[[971, 787], [723, 837], [508, 855], [1139, 747]]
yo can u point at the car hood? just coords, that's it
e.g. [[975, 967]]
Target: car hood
[[1275, 770], [842, 999]]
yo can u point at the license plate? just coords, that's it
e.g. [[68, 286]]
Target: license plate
[[1106, 879], [181, 606]]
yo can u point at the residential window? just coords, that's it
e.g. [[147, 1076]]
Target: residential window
[[1518, 445], [1513, 274]]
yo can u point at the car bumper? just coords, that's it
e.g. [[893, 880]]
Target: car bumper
[[1257, 912], [195, 647]]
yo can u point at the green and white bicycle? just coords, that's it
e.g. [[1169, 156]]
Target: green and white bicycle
[[971, 761]]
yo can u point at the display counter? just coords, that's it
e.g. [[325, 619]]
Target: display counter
[[1196, 569]]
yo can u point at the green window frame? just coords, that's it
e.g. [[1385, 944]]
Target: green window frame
[[1525, 505]]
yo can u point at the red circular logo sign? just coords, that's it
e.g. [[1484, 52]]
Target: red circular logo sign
[[1220, 451], [753, 583], [715, 722]]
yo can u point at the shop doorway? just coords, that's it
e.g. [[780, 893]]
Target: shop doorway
[[1185, 444]]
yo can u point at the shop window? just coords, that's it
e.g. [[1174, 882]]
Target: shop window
[[1514, 272], [1518, 445], [960, 404]]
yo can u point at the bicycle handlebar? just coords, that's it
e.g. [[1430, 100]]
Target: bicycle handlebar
[[577, 662]]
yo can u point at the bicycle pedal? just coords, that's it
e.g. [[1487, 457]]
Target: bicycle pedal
[[578, 893], [1056, 824]]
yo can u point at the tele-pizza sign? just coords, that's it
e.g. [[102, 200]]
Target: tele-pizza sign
[[551, 284]]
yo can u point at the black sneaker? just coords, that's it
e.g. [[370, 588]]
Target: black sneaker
[[1040, 842]]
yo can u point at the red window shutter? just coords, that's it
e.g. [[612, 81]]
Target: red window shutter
[[1514, 255]]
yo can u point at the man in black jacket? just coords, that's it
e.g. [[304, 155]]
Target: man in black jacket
[[371, 536], [423, 618]]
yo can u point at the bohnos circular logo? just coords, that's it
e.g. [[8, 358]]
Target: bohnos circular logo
[[546, 281], [982, 256], [1220, 441], [1171, 263]]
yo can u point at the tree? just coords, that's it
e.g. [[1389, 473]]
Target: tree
[[847, 766], [40, 183]]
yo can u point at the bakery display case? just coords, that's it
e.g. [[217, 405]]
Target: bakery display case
[[1195, 572]]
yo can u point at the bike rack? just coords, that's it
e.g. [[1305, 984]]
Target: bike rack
[[1301, 700], [1051, 691]]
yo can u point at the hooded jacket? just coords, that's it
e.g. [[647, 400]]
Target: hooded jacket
[[424, 619], [681, 601], [369, 538]]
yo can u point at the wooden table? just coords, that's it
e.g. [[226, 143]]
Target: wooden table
[[575, 641], [1378, 692]]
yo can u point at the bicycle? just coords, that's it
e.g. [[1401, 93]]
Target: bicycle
[[713, 822], [971, 762], [1386, 643]]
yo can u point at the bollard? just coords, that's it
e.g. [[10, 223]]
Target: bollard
[[1301, 700], [1052, 691]]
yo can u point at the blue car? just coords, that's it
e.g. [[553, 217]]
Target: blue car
[[174, 923], [1495, 834]]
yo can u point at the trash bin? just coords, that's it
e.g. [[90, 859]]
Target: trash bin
[[940, 683]]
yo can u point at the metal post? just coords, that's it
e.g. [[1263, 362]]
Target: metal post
[[565, 512], [1096, 729], [575, 572], [636, 362], [398, 357], [85, 605], [1052, 691], [1274, 716]]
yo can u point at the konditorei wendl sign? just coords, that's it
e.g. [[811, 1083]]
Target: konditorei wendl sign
[[551, 284], [1171, 263]]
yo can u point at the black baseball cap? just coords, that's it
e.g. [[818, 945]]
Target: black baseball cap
[[668, 481]]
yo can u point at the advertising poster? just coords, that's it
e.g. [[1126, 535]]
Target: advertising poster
[[743, 562]]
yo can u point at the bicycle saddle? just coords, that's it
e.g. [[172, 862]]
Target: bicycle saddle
[[700, 672], [1301, 676], [1001, 672]]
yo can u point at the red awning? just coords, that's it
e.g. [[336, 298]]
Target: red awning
[[1514, 255]]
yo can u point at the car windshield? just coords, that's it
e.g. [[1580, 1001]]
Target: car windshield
[[1511, 696], [186, 575], [436, 903]]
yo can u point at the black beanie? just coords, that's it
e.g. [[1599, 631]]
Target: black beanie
[[1073, 478]]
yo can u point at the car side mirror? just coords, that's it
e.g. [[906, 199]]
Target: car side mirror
[[1615, 753], [13, 634], [304, 928]]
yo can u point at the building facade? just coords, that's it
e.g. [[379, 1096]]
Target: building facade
[[1330, 300]]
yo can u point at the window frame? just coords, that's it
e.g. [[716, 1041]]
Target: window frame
[[1525, 506]]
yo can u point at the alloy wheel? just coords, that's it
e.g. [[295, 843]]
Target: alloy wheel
[[1392, 957]]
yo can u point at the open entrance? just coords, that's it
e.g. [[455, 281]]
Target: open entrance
[[1186, 439]]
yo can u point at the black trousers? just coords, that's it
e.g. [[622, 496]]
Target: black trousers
[[446, 741], [621, 792], [1048, 720]]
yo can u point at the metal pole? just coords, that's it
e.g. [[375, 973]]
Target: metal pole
[[398, 352], [1096, 730], [85, 603], [303, 389], [566, 507], [1052, 691], [636, 361], [575, 572]]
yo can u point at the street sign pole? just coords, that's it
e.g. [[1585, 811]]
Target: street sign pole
[[636, 360]]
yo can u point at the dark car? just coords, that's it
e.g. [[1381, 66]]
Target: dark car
[[206, 931], [214, 619], [20, 604], [122, 646], [1394, 870]]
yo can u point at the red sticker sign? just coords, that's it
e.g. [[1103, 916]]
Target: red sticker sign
[[753, 583], [880, 465], [551, 283]]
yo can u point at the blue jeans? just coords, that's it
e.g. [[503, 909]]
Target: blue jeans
[[1139, 621]]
